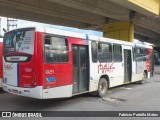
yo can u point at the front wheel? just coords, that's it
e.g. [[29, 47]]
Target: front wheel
[[102, 87], [144, 78]]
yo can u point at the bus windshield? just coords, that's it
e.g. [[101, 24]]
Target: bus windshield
[[19, 45]]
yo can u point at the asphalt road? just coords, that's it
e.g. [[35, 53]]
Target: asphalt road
[[132, 97]]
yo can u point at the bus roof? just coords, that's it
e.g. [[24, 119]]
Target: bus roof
[[82, 36], [77, 35], [142, 45]]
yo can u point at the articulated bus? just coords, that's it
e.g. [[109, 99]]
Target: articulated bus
[[148, 56], [1, 61], [45, 63]]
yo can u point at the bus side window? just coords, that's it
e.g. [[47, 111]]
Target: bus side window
[[117, 53], [145, 54], [138, 54], [94, 52], [104, 52], [56, 50], [142, 54]]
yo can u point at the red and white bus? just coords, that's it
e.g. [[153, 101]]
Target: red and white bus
[[44, 63], [1, 61]]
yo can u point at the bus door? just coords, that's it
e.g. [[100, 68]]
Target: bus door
[[80, 68], [127, 65]]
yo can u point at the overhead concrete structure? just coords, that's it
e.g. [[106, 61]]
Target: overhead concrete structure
[[89, 14], [119, 30]]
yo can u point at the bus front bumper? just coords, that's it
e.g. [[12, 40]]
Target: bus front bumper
[[28, 92]]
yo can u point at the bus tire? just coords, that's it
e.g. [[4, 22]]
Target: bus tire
[[144, 78], [102, 87]]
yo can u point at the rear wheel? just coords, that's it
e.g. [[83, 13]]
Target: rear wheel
[[102, 87], [144, 78]]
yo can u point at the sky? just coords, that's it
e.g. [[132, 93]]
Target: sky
[[24, 23]]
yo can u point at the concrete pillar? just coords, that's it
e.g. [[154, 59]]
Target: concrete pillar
[[119, 30]]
